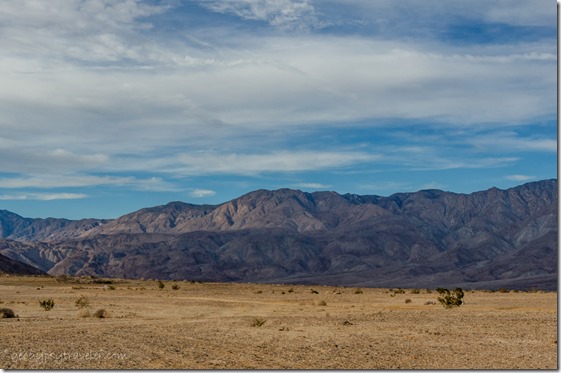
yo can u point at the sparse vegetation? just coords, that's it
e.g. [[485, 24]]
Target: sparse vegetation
[[161, 285], [257, 322], [175, 287], [291, 290], [322, 303], [7, 313], [47, 304], [451, 299], [415, 291], [82, 302], [358, 291], [100, 313], [408, 300], [314, 291]]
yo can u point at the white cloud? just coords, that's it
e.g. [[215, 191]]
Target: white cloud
[[511, 141], [251, 164], [202, 193], [47, 181], [315, 186], [520, 177], [41, 196], [283, 14]]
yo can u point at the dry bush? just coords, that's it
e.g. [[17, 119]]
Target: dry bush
[[358, 291], [82, 302], [47, 304], [257, 322], [175, 287], [407, 300], [7, 313], [101, 314], [322, 303]]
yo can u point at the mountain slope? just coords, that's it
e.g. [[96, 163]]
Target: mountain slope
[[424, 239]]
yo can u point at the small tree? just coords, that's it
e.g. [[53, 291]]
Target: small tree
[[450, 299]]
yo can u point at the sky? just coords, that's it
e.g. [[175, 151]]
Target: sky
[[107, 107]]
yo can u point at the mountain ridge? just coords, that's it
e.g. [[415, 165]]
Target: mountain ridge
[[425, 238]]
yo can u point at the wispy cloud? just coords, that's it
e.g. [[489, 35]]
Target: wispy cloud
[[202, 193], [297, 15], [251, 164], [315, 186], [520, 177], [41, 196]]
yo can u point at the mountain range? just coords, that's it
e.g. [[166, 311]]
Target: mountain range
[[430, 238]]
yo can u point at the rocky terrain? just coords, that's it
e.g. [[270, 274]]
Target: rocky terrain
[[488, 239]]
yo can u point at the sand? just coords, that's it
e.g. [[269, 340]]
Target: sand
[[216, 325]]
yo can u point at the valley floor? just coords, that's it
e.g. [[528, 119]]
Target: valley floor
[[215, 325]]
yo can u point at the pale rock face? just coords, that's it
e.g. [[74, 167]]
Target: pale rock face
[[429, 238]]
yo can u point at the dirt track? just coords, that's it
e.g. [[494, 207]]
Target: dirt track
[[201, 326]]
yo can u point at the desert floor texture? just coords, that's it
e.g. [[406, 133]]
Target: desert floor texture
[[216, 325]]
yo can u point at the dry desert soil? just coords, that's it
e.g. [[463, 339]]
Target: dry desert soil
[[229, 326]]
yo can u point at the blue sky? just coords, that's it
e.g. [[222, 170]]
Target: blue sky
[[110, 106]]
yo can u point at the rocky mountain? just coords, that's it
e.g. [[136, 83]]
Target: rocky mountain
[[429, 238], [15, 227]]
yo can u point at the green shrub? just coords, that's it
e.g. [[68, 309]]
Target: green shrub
[[47, 304], [451, 299]]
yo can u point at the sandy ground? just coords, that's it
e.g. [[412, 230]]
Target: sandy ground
[[211, 325]]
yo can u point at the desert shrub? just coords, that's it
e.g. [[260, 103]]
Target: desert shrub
[[47, 304], [322, 303], [314, 291], [407, 300], [451, 299], [429, 303], [400, 291], [358, 291], [175, 287], [111, 287], [7, 313], [161, 285], [428, 291], [415, 291], [82, 302], [291, 290], [100, 313], [257, 322], [503, 290], [259, 292]]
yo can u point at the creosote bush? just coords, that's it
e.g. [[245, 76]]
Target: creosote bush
[[450, 299], [47, 304]]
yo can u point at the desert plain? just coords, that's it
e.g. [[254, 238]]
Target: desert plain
[[192, 325]]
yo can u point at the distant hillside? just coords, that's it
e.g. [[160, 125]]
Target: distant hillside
[[13, 267], [429, 238]]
